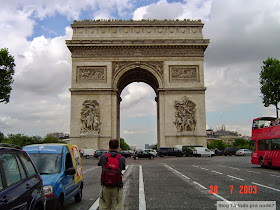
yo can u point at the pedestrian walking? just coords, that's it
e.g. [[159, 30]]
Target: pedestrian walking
[[111, 193]]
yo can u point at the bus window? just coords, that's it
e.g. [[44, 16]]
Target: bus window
[[275, 144], [256, 124], [264, 144], [253, 145]]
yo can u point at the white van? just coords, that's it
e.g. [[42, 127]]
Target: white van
[[88, 153], [202, 151]]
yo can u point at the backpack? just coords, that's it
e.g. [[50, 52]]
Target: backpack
[[111, 175]]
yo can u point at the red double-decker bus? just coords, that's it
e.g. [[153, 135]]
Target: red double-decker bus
[[266, 142]]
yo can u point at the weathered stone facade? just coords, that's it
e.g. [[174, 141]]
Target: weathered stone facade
[[107, 55]]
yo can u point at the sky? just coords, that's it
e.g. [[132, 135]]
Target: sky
[[242, 33]]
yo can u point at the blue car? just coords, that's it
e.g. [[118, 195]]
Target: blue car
[[21, 186], [61, 170]]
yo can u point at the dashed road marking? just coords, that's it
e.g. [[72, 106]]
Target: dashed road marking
[[235, 178], [265, 186], [142, 201]]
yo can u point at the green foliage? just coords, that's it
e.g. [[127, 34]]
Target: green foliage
[[7, 65], [22, 140], [241, 143], [124, 145], [217, 144], [2, 137], [270, 83], [51, 139], [154, 147]]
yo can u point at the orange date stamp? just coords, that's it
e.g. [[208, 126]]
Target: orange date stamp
[[243, 189]]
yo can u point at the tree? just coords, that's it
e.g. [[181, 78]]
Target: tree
[[241, 143], [7, 71], [124, 145], [270, 83], [217, 144]]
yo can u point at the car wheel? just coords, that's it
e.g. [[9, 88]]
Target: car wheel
[[199, 155], [79, 195], [59, 205], [87, 157]]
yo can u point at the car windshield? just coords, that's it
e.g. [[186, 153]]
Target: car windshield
[[47, 163]]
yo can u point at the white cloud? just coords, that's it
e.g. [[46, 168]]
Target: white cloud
[[191, 9]]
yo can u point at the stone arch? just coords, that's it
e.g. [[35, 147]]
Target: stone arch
[[107, 55], [150, 75]]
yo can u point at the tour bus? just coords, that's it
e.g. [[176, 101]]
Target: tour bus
[[266, 142]]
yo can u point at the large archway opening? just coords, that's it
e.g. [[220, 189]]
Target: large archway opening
[[138, 124]]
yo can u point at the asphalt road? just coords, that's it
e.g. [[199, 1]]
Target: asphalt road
[[184, 183]]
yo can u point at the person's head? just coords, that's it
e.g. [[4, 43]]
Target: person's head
[[113, 144]]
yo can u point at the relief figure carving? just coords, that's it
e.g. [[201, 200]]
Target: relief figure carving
[[91, 73], [90, 117], [185, 115]]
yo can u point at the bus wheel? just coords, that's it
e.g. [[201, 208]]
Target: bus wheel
[[261, 162]]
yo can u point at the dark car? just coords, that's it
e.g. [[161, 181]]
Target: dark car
[[230, 151], [21, 186], [98, 153], [219, 152], [125, 153], [143, 154], [169, 151]]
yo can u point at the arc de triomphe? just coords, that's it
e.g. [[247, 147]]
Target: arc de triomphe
[[107, 55]]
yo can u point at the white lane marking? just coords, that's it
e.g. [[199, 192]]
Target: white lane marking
[[182, 175], [274, 175], [200, 185], [235, 168], [266, 186], [177, 172], [142, 201], [222, 166], [204, 168], [195, 166], [85, 171], [253, 172], [216, 172], [235, 178], [95, 205]]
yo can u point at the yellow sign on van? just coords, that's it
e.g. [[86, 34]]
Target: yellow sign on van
[[76, 162]]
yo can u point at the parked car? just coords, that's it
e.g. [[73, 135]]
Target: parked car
[[152, 151], [219, 152], [125, 153], [202, 151], [243, 152], [98, 153], [21, 186], [60, 167], [230, 151], [143, 154], [169, 151]]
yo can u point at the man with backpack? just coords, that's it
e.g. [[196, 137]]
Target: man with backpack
[[111, 193]]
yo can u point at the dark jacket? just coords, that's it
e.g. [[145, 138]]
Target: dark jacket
[[102, 161]]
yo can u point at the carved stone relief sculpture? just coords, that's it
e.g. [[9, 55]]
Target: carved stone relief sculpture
[[185, 73], [90, 117], [91, 73], [185, 115]]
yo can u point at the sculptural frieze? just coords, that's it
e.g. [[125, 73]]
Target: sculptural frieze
[[156, 65], [184, 72], [141, 51], [91, 73], [90, 117], [185, 115]]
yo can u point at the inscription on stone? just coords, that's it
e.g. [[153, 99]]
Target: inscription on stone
[[91, 73], [188, 73]]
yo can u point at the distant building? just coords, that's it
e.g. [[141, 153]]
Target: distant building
[[59, 135], [149, 146], [223, 134]]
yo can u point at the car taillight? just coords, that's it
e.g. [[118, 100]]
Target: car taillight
[[48, 191]]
